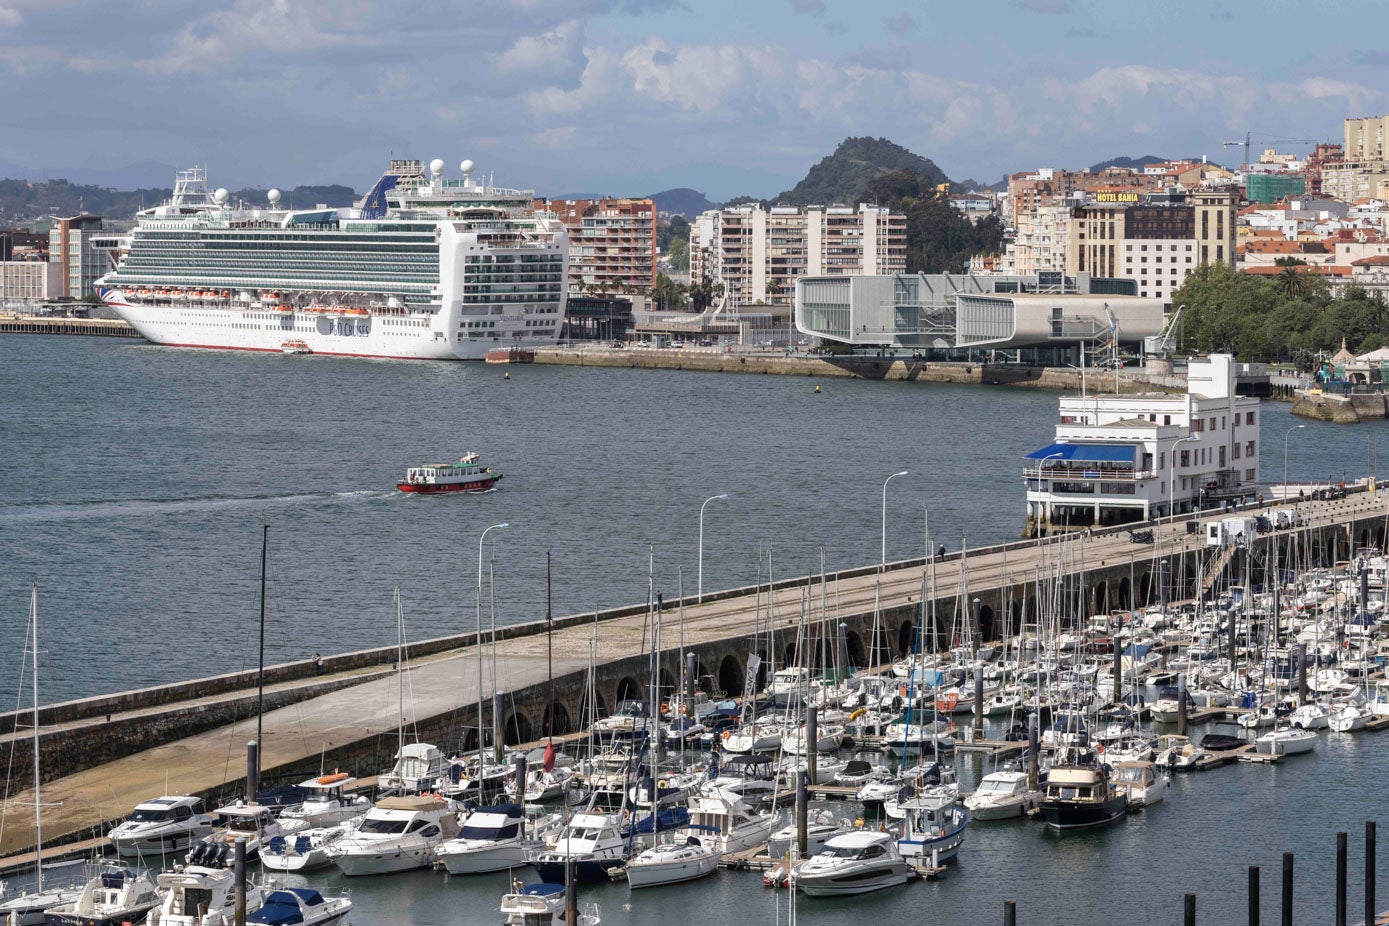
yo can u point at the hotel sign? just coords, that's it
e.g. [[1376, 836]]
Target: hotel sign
[[1115, 196]]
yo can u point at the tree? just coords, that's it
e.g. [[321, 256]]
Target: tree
[[939, 238], [1292, 282]]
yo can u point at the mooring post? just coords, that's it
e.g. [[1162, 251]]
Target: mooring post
[[1033, 772], [1302, 673], [801, 801], [979, 701], [1287, 889], [1253, 895], [1189, 910], [1340, 879], [812, 741], [1118, 671], [1010, 913], [239, 881], [1181, 704], [691, 682], [1369, 872], [252, 771], [520, 765]]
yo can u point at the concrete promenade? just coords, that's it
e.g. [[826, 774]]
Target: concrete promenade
[[358, 723]]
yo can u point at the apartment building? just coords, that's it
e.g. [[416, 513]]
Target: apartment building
[[757, 254], [1364, 171], [1155, 241], [1040, 238], [70, 246], [612, 243], [27, 281]]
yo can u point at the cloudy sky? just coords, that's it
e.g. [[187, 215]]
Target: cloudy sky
[[633, 96]]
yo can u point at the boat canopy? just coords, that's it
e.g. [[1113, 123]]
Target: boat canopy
[[1089, 453]]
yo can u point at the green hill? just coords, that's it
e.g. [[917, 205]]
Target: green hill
[[842, 176]]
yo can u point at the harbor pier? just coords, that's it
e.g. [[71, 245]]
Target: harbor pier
[[103, 755]]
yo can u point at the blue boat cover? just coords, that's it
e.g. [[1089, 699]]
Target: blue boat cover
[[1098, 453], [543, 889]]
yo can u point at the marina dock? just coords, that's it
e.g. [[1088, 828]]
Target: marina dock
[[356, 725], [91, 327]]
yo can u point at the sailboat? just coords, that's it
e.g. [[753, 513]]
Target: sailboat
[[29, 909]]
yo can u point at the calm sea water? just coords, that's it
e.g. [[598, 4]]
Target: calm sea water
[[134, 481]]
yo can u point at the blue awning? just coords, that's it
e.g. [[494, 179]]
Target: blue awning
[[1090, 453]]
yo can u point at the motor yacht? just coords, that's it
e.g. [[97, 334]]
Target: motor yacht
[[541, 905], [254, 823], [398, 834], [1177, 753], [161, 825], [933, 827], [1143, 782], [1079, 794], [726, 823], [116, 895], [200, 896], [595, 844], [299, 906], [327, 803], [306, 850], [418, 767], [856, 862], [1001, 796], [491, 839]]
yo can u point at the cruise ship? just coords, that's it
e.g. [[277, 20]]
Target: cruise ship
[[422, 267]]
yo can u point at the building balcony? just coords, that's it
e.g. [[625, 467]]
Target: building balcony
[[1078, 472]]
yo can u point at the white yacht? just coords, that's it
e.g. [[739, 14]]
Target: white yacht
[[306, 850], [1178, 753], [727, 823], [1286, 741], [491, 839], [422, 267], [595, 844], [116, 895], [199, 896], [856, 862], [418, 767], [161, 825], [1001, 796], [329, 803], [933, 827], [1143, 782], [673, 862], [253, 822], [299, 906], [398, 834], [541, 905]]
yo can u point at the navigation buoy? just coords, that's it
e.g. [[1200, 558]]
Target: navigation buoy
[[817, 388], [506, 376]]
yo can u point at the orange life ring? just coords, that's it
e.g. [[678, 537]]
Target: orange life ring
[[727, 734]]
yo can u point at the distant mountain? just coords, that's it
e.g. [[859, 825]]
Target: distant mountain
[[966, 186], [1127, 163], [840, 177], [145, 175], [682, 201]]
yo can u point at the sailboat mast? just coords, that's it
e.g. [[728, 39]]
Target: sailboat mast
[[260, 670], [400, 666], [549, 656], [38, 811]]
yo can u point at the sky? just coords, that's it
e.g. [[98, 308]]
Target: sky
[[628, 97]]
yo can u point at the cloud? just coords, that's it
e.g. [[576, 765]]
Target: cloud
[[808, 7], [10, 17], [1046, 7], [902, 22]]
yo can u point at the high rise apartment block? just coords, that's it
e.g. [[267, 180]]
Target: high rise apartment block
[[70, 246], [1363, 173], [612, 243], [757, 254]]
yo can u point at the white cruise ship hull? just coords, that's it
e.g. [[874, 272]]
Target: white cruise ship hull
[[389, 337]]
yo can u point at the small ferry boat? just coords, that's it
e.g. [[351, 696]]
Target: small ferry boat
[[467, 475], [296, 346]]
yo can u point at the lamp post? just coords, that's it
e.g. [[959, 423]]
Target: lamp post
[[1041, 474], [700, 590], [1285, 457], [1172, 478], [885, 482], [480, 541]]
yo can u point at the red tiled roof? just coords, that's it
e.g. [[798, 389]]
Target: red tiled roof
[[1378, 260]]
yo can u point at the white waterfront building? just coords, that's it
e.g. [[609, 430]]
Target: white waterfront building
[[1123, 458]]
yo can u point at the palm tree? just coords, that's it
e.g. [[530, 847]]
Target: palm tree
[[1293, 283]]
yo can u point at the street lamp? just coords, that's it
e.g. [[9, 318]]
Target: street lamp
[[480, 541], [1041, 474], [700, 590], [1285, 457], [1172, 478], [885, 482]]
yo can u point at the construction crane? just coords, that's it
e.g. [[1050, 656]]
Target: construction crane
[[1165, 344], [1248, 138]]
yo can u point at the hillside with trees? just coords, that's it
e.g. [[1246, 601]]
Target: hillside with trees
[[845, 174], [939, 238]]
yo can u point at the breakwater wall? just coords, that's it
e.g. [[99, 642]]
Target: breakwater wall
[[1348, 408], [708, 360]]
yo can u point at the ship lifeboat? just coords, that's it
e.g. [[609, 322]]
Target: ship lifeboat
[[357, 311], [226, 294], [177, 293], [288, 309]]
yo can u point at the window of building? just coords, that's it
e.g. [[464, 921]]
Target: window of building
[[1212, 424], [1249, 449], [1166, 419], [1198, 425], [1236, 453], [1186, 458], [1249, 418], [1205, 254], [1220, 252]]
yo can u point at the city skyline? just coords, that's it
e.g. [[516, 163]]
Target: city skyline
[[628, 97]]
